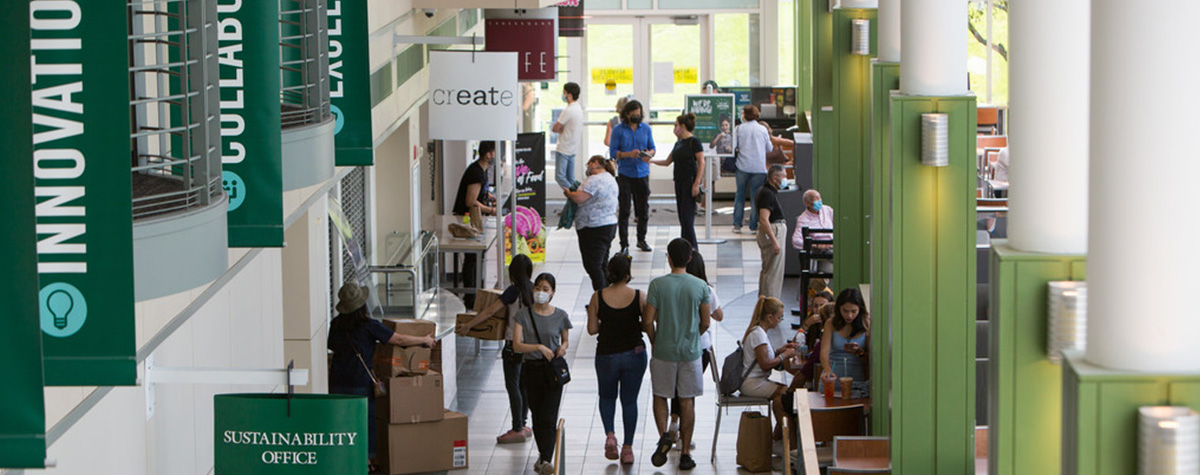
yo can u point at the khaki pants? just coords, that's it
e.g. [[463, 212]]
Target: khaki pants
[[770, 279]]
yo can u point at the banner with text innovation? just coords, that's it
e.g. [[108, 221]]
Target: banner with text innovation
[[714, 122], [267, 434], [252, 150], [83, 186], [473, 96], [22, 407], [350, 83]]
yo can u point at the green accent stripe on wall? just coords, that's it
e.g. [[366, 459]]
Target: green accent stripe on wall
[[381, 84], [408, 63]]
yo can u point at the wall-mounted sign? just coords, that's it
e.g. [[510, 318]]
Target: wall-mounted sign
[[570, 19], [22, 409], [533, 39], [473, 96], [81, 167], [251, 150], [265, 434], [350, 83], [616, 75]]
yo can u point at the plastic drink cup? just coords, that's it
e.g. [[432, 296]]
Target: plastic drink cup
[[847, 383], [829, 386]]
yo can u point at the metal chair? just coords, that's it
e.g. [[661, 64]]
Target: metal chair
[[729, 401]]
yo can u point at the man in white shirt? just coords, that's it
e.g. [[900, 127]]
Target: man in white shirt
[[816, 215], [569, 128]]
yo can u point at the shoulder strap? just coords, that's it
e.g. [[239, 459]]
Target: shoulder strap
[[360, 358], [533, 321]]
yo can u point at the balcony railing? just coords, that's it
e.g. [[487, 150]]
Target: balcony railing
[[176, 162], [304, 55]]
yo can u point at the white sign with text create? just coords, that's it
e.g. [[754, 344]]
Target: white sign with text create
[[473, 96]]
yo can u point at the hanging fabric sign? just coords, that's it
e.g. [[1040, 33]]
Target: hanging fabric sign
[[570, 19], [473, 96], [252, 153], [81, 141], [350, 83]]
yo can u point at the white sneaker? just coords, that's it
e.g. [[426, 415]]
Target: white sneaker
[[737, 229], [543, 468]]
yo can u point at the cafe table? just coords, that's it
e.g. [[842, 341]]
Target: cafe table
[[817, 400]]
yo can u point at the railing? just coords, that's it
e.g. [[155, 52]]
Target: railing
[[419, 260], [304, 55], [176, 162]]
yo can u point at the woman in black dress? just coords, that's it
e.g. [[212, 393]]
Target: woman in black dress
[[688, 157]]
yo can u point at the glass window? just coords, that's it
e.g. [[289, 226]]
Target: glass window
[[787, 42], [609, 56], [990, 86], [694, 4], [731, 45]]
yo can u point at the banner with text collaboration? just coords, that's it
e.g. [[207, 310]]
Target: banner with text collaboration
[[252, 150], [81, 160], [22, 408], [350, 83], [265, 434]]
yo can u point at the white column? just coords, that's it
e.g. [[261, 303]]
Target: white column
[[1143, 258], [1048, 139], [889, 31], [933, 54]]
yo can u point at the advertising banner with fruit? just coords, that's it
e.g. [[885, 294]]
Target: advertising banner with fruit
[[531, 199]]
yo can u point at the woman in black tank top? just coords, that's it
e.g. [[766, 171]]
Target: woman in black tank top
[[615, 313]]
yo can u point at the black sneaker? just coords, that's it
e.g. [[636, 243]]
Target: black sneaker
[[686, 462], [624, 251], [642, 246], [660, 453]]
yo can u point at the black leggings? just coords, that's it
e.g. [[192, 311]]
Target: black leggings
[[544, 399], [685, 205]]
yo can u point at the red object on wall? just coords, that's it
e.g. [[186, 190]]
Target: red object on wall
[[532, 40]]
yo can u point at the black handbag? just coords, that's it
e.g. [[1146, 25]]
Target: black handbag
[[557, 370]]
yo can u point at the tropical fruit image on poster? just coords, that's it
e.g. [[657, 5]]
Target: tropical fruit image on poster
[[531, 235]]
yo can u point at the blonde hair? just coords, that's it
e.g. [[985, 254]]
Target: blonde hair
[[765, 306], [621, 103], [818, 284]]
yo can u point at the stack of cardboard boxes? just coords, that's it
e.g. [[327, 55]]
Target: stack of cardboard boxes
[[494, 326], [416, 433]]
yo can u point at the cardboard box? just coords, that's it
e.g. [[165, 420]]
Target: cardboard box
[[491, 329], [425, 447], [485, 297], [435, 357], [409, 326], [391, 360], [413, 399]]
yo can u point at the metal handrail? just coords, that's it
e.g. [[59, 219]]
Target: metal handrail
[[427, 247], [304, 63], [175, 158]]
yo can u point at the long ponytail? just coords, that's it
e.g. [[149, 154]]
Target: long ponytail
[[765, 306]]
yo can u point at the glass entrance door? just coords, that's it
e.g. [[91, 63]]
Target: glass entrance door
[[653, 59]]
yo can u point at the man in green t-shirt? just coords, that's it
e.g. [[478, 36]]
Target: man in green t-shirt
[[676, 315]]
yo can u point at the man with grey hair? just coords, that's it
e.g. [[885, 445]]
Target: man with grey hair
[[770, 233], [816, 215]]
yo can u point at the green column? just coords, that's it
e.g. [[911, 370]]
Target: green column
[[22, 409], [1024, 388], [849, 192], [885, 78], [932, 280], [1100, 432], [824, 130]]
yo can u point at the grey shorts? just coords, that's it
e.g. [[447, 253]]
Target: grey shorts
[[671, 379]]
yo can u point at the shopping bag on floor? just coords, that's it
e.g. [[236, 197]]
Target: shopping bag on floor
[[754, 442]]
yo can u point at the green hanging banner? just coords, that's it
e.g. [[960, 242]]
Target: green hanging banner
[[266, 434], [350, 83], [22, 410], [81, 167], [251, 150]]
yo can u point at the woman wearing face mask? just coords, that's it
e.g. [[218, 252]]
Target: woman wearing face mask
[[761, 358], [688, 157], [632, 146], [847, 337], [596, 218], [540, 333]]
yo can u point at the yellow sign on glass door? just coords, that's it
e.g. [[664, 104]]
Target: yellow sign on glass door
[[617, 75], [686, 76]]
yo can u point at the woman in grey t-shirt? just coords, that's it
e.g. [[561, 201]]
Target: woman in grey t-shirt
[[540, 332]]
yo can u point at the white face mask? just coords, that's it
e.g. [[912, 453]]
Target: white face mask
[[541, 297]]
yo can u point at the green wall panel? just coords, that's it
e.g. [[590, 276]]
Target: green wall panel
[[932, 276], [823, 128], [1024, 388], [804, 72], [885, 77], [851, 190], [1100, 413]]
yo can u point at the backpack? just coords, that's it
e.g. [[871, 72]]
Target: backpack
[[733, 372]]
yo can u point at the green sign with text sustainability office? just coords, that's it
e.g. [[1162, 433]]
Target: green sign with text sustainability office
[[350, 83], [22, 409], [265, 434], [251, 150], [83, 190]]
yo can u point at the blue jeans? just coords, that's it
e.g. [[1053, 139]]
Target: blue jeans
[[564, 170], [747, 185], [621, 374], [369, 392]]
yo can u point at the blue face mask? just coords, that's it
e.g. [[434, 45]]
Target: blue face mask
[[564, 98], [817, 205]]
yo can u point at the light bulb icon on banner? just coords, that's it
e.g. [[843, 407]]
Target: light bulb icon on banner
[[60, 303]]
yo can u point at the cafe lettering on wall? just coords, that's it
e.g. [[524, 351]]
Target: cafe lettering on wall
[[265, 434], [533, 40]]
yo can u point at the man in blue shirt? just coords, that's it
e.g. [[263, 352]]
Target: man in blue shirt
[[632, 146]]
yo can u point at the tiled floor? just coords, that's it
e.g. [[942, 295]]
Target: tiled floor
[[734, 265]]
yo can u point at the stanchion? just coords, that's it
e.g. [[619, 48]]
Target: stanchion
[[708, 208]]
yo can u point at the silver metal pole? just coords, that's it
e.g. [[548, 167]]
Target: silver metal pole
[[708, 197]]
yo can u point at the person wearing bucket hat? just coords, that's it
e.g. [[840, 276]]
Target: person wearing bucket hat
[[352, 333]]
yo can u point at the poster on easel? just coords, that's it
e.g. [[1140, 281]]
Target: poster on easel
[[530, 189], [715, 115]]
